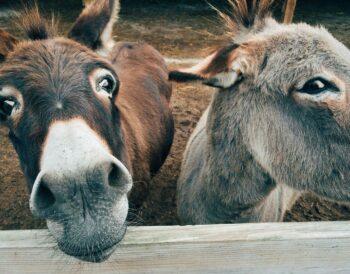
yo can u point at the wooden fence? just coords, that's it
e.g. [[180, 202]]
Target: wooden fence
[[289, 11], [322, 247]]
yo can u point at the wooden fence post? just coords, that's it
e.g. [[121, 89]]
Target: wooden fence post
[[289, 11]]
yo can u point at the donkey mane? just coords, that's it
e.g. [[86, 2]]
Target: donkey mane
[[244, 15], [35, 27]]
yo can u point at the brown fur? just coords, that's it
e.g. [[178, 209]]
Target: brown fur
[[7, 43], [138, 116], [58, 82], [36, 27]]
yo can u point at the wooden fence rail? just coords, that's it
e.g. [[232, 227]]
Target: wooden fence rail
[[322, 247]]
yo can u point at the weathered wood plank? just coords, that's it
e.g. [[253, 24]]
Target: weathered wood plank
[[242, 248]]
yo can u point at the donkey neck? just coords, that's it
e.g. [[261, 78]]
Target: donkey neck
[[232, 175]]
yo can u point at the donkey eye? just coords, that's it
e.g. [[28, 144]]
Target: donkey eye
[[107, 84], [318, 85], [7, 106]]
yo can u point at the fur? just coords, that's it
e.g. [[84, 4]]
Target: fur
[[263, 141], [35, 27], [82, 189]]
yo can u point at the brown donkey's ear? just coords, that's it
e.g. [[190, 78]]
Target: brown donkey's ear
[[222, 69], [94, 26], [7, 44]]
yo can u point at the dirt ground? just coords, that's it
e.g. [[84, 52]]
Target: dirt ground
[[185, 35]]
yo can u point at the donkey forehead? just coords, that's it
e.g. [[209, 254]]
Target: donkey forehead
[[305, 40], [52, 79], [51, 49], [57, 66], [42, 61]]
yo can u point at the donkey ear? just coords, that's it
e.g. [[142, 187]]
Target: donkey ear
[[222, 69], [7, 44], [94, 26]]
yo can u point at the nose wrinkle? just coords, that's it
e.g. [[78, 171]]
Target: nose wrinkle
[[88, 207], [84, 203]]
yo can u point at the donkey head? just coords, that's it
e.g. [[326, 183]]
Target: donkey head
[[57, 97], [284, 93]]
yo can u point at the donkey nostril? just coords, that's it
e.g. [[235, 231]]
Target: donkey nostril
[[44, 197], [115, 176]]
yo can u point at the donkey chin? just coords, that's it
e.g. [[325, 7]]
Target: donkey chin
[[82, 191], [89, 220], [91, 238]]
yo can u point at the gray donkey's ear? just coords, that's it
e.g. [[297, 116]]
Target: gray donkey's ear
[[7, 44], [222, 69], [94, 26]]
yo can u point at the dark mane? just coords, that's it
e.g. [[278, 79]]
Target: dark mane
[[245, 14], [35, 27]]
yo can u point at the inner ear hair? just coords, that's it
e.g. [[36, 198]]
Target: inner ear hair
[[93, 28], [7, 44], [221, 59], [224, 79], [222, 69]]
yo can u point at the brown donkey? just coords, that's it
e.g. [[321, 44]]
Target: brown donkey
[[278, 125], [87, 118]]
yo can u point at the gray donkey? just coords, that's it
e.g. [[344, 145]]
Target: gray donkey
[[278, 125]]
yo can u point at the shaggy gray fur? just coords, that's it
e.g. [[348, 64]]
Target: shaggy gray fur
[[262, 142]]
